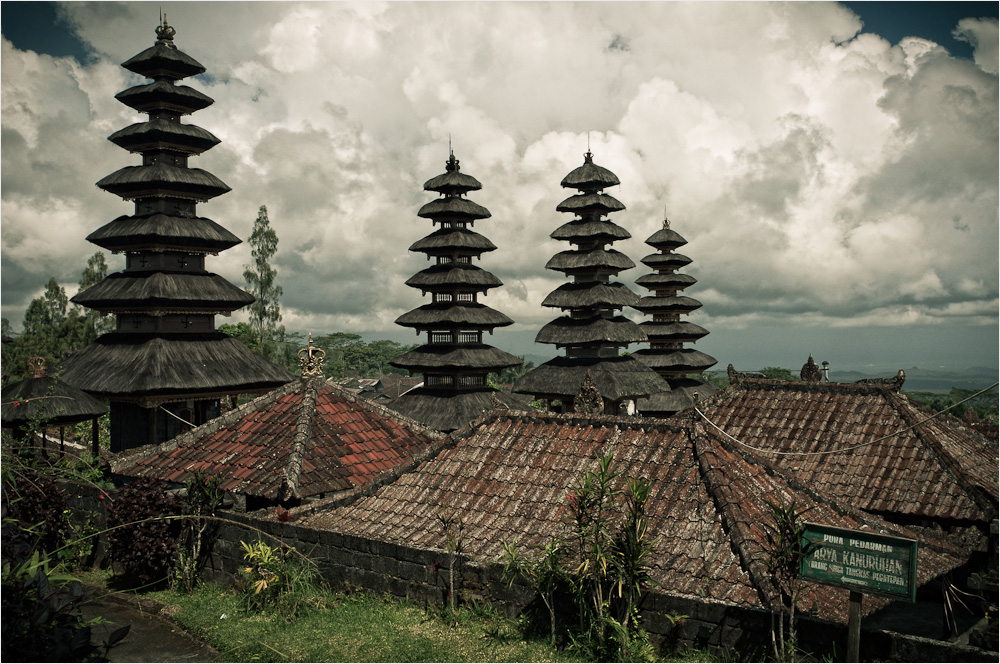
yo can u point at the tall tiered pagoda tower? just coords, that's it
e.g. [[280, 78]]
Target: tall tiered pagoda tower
[[455, 362], [165, 366], [592, 332], [667, 332]]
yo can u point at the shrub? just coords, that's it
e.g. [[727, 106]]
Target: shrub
[[38, 505], [278, 577], [140, 540]]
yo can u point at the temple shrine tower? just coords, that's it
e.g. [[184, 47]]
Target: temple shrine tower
[[165, 366], [455, 362], [592, 331], [667, 332]]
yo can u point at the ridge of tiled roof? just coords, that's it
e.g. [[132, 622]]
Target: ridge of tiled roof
[[842, 437], [307, 438], [507, 475]]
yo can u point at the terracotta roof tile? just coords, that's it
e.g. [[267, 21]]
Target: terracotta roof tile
[[259, 449], [508, 478]]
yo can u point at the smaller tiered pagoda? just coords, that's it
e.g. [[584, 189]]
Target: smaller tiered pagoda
[[592, 331], [165, 366], [667, 332], [455, 362]]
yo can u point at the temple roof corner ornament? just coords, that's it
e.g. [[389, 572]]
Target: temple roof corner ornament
[[588, 401], [810, 371], [311, 359]]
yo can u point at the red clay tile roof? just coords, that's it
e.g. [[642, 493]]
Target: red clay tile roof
[[304, 439], [508, 475], [934, 470]]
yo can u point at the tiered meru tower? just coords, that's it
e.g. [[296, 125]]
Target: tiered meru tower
[[165, 366], [592, 331], [667, 332], [455, 362]]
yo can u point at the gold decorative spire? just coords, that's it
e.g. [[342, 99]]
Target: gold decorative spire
[[163, 31], [311, 359], [36, 366]]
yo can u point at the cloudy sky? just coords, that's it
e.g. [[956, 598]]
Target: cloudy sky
[[836, 177]]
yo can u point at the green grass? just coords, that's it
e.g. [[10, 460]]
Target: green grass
[[353, 628]]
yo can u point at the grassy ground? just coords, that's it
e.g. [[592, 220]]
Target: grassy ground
[[353, 628]]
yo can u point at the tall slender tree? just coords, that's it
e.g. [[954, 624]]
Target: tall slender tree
[[95, 323], [265, 312]]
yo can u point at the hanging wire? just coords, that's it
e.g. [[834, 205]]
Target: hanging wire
[[843, 449]]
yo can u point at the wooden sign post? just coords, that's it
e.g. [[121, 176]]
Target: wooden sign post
[[862, 562]]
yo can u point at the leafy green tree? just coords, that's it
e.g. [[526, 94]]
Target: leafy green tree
[[777, 373], [50, 330], [95, 323], [265, 312]]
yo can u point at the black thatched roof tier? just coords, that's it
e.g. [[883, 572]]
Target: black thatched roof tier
[[683, 394], [617, 378], [675, 331], [160, 231], [164, 96], [49, 400], [452, 182], [437, 357], [593, 259], [164, 135], [590, 204], [590, 177], [451, 275], [163, 60], [590, 294], [453, 208], [448, 239], [163, 180], [469, 315], [665, 261], [674, 304], [664, 281], [447, 411], [134, 366], [666, 238], [578, 231], [687, 360], [123, 291], [566, 331]]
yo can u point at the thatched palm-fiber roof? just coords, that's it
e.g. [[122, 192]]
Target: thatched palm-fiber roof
[[453, 208], [149, 291], [684, 393], [664, 281], [136, 366], [452, 182], [163, 60], [673, 303], [566, 331], [49, 400], [438, 357], [590, 204], [665, 261], [163, 179], [616, 378], [164, 95], [444, 240], [676, 331], [158, 231], [591, 294], [687, 360], [453, 275], [508, 474], [590, 177], [448, 410], [583, 260], [160, 134], [307, 438], [666, 238], [865, 445], [580, 231], [469, 315]]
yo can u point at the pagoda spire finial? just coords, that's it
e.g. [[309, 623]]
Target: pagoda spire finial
[[164, 32], [666, 221], [452, 163]]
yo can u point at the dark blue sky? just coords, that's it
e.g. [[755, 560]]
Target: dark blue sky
[[36, 26]]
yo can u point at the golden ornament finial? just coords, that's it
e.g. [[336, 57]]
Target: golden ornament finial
[[311, 359]]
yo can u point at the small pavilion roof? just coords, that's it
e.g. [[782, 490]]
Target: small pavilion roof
[[663, 281], [161, 179], [576, 260], [507, 475], [590, 294], [590, 204], [566, 331], [448, 314], [163, 59], [682, 359], [677, 303], [48, 399], [665, 261], [164, 96], [453, 208], [590, 177], [162, 134], [679, 330], [307, 438], [449, 275], [666, 238], [590, 230], [448, 239], [865, 445], [452, 182]]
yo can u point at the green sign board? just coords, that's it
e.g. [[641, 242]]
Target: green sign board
[[861, 561]]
